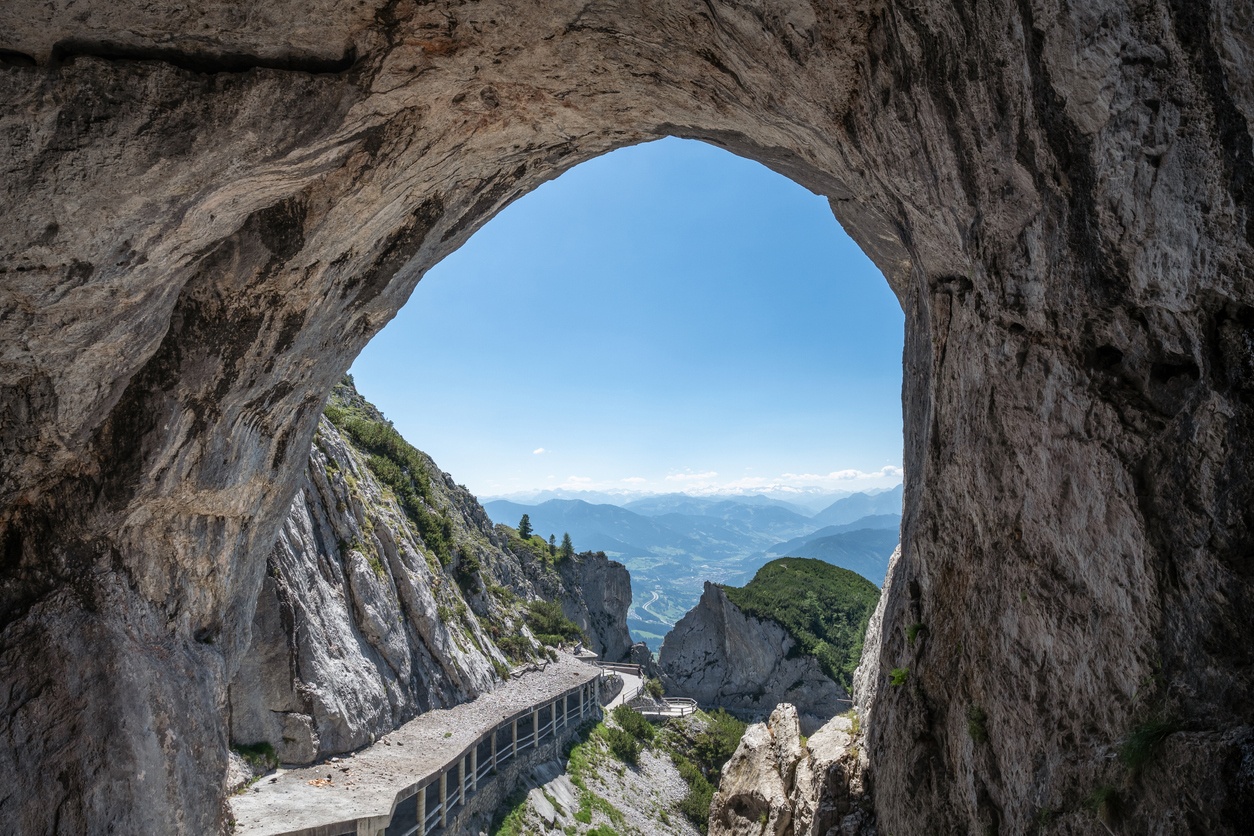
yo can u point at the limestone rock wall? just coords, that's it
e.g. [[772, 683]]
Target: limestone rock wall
[[206, 213], [597, 597], [359, 627], [723, 658]]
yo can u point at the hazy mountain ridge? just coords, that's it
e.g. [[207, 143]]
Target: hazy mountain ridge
[[860, 505], [673, 543], [804, 500]]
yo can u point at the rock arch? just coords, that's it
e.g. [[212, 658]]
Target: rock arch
[[209, 211]]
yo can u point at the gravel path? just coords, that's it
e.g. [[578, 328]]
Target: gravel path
[[365, 784]]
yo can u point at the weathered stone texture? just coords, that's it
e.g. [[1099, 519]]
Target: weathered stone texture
[[359, 627], [200, 230], [723, 658], [600, 606], [777, 785]]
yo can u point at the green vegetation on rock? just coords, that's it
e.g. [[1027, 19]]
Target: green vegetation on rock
[[260, 756], [633, 722], [395, 463], [550, 624], [823, 607], [699, 746]]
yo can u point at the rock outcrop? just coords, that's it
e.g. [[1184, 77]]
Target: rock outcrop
[[357, 628], [641, 655], [723, 658], [868, 675], [776, 785], [206, 214], [360, 625], [597, 595]]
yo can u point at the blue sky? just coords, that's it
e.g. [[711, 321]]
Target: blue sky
[[667, 317]]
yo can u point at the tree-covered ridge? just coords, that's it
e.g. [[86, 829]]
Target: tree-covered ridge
[[823, 607]]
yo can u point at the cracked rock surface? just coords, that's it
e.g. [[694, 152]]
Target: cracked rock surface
[[209, 208], [359, 625]]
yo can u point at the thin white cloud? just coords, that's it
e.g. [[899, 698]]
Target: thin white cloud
[[538, 451], [692, 477], [708, 482]]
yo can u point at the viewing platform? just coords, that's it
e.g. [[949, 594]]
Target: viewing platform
[[419, 776]]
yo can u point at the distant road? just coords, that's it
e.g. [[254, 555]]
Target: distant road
[[652, 601]]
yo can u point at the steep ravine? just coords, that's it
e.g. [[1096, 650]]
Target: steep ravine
[[362, 624]]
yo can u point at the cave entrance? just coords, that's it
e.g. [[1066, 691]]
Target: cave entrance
[[211, 214], [667, 318]]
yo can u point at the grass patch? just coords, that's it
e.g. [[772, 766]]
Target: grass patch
[[623, 746], [695, 805], [976, 724], [260, 757], [550, 624], [633, 722], [509, 818], [1143, 741], [1104, 802], [516, 647], [898, 676]]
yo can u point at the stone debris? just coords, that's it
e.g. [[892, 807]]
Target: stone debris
[[776, 786]]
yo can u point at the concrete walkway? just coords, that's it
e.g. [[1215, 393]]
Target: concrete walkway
[[364, 786], [632, 687]]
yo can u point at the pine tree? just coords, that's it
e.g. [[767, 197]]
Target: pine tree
[[524, 527], [552, 544], [568, 548]]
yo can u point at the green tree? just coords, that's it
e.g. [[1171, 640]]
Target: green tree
[[552, 544], [524, 527], [568, 548]]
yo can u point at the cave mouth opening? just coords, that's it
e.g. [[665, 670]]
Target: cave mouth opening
[[664, 318]]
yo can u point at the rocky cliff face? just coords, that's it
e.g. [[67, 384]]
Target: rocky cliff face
[[722, 658], [360, 626], [597, 597], [206, 214]]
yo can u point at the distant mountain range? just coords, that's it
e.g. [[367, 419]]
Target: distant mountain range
[[805, 501], [860, 505], [673, 543]]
